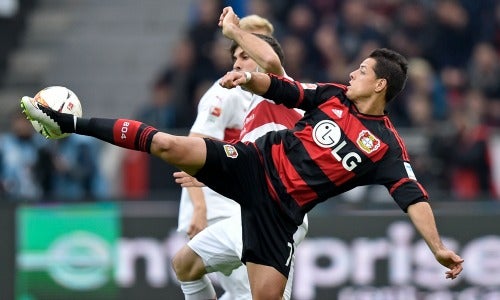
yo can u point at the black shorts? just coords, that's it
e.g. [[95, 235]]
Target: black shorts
[[236, 171]]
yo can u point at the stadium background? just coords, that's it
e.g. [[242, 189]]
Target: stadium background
[[117, 244]]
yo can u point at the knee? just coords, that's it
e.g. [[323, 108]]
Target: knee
[[161, 144], [187, 265], [180, 267]]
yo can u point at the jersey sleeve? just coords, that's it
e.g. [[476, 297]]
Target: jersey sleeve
[[398, 177], [305, 96], [214, 112]]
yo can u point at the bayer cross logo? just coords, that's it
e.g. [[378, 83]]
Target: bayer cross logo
[[326, 134]]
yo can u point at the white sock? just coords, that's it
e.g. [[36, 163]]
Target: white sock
[[201, 289]]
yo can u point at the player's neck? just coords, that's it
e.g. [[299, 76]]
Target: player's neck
[[370, 106]]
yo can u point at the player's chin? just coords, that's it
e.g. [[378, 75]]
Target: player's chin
[[349, 92]]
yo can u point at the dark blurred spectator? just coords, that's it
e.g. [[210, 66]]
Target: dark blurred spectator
[[422, 83], [71, 170], [420, 112], [331, 57], [382, 14], [495, 30], [482, 18], [354, 29], [484, 74], [183, 75], [296, 64], [221, 61], [203, 29], [19, 150], [273, 10], [464, 151], [422, 79], [301, 23], [426, 166], [162, 110], [452, 35], [325, 10], [454, 80], [484, 70], [411, 28]]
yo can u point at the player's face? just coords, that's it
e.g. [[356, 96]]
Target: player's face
[[363, 81], [242, 61]]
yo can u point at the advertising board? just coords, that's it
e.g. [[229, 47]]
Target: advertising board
[[124, 251]]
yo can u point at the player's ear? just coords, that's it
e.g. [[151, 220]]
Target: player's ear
[[381, 84]]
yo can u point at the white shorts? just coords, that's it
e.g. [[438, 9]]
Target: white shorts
[[220, 245]]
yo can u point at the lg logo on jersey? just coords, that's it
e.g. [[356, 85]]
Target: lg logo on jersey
[[327, 134]]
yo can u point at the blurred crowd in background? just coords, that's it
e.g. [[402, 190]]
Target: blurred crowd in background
[[448, 113]]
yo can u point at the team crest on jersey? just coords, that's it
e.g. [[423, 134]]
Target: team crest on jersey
[[368, 142], [231, 152]]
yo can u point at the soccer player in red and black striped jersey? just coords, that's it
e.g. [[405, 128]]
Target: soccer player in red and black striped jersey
[[344, 140]]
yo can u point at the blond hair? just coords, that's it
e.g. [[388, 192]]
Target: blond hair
[[254, 23]]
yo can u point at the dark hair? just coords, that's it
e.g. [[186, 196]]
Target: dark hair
[[393, 67], [270, 40]]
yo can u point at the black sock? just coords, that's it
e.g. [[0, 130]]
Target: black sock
[[65, 121], [124, 133]]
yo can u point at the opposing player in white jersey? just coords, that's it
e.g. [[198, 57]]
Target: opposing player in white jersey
[[221, 114]]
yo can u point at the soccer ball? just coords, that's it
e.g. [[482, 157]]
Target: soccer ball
[[61, 99]]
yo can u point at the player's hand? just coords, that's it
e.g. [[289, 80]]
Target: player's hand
[[233, 79], [450, 260], [228, 21], [198, 223], [186, 180]]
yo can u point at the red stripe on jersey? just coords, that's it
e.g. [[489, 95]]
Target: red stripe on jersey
[[423, 190], [295, 186], [143, 139], [301, 94], [389, 125], [270, 186], [231, 134], [398, 184], [405, 180], [354, 129]]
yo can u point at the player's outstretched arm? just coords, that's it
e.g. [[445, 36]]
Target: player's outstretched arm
[[423, 219]]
